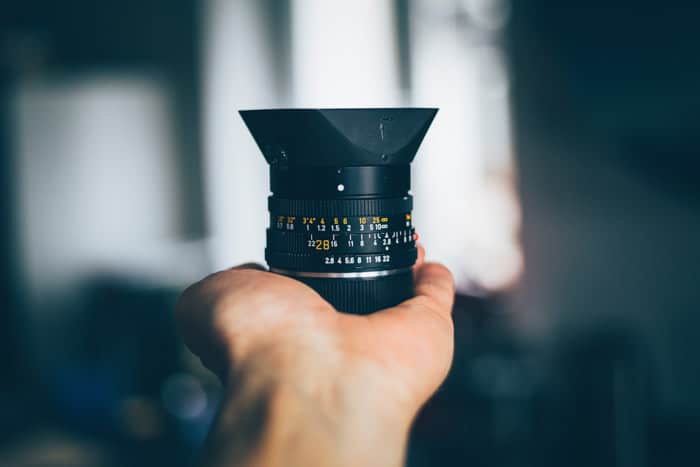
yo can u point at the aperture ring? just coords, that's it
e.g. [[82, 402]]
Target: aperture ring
[[340, 207]]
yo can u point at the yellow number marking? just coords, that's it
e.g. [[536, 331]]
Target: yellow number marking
[[323, 245]]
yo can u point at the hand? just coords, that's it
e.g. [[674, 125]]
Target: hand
[[278, 344]]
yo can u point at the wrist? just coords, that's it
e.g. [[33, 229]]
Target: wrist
[[292, 415], [332, 426]]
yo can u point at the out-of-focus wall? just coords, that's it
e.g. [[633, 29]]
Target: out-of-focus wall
[[239, 73], [102, 131], [96, 178], [466, 207], [338, 63]]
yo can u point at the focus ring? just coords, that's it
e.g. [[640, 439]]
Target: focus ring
[[340, 207]]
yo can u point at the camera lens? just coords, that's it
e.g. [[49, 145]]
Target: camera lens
[[340, 209]]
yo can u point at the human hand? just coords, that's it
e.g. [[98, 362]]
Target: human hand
[[278, 344]]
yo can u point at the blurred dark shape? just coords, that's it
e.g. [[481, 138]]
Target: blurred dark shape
[[124, 353], [623, 72], [142, 418], [51, 448]]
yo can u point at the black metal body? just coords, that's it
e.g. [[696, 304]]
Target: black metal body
[[340, 209]]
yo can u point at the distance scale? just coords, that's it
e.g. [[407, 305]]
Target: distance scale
[[340, 224]]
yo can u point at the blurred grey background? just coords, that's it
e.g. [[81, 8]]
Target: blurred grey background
[[558, 183]]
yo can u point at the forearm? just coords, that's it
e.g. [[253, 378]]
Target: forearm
[[267, 422]]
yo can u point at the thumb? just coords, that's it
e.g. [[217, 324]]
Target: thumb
[[435, 292], [434, 282]]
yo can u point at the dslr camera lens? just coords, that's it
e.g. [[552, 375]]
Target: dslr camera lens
[[340, 208]]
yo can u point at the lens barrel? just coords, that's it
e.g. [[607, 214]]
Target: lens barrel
[[358, 263], [341, 221]]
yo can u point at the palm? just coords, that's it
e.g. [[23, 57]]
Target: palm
[[406, 349]]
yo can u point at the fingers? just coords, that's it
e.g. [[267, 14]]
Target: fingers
[[435, 291], [256, 266], [435, 282], [242, 301], [203, 292], [426, 321], [421, 257], [195, 310], [193, 317]]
